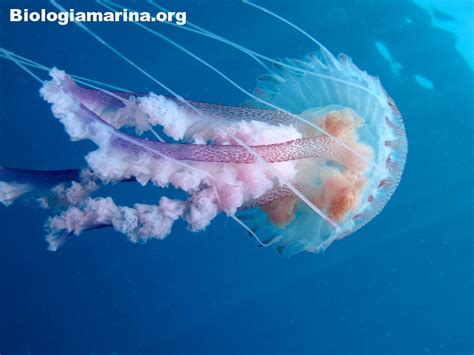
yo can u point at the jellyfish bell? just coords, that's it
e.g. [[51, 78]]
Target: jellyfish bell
[[350, 185], [313, 156]]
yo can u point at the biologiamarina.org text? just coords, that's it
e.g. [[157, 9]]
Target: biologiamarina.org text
[[66, 17]]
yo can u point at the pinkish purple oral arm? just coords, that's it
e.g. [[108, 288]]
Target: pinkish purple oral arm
[[321, 147]]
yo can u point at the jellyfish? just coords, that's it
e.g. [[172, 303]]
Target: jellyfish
[[313, 155]]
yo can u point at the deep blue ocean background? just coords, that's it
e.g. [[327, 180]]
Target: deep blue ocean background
[[401, 285]]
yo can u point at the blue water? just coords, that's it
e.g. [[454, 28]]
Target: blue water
[[401, 285]]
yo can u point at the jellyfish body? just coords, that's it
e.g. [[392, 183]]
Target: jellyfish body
[[313, 156], [269, 169]]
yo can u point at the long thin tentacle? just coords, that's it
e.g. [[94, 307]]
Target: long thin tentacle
[[21, 65], [252, 233]]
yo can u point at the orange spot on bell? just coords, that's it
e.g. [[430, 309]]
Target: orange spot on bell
[[341, 193], [340, 123], [345, 201]]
